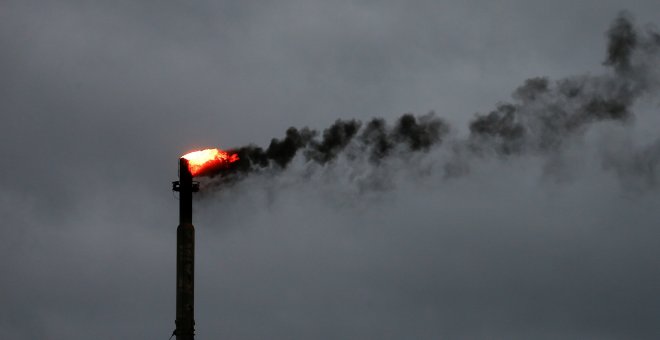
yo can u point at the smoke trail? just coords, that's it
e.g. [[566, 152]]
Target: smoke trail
[[544, 114], [622, 42], [541, 118], [410, 133]]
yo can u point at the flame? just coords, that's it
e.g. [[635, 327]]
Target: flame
[[203, 160]]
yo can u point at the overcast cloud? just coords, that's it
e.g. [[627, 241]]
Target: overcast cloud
[[99, 99]]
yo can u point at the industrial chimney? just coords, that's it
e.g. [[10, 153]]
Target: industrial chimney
[[185, 255], [196, 163]]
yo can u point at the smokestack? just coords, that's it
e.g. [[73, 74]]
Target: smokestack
[[185, 255]]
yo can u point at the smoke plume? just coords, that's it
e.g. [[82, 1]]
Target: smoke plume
[[376, 138], [542, 117]]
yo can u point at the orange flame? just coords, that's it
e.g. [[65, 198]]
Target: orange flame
[[203, 160]]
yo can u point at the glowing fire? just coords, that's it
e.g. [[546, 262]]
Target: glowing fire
[[200, 161]]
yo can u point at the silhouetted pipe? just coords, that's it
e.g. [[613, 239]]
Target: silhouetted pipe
[[185, 256]]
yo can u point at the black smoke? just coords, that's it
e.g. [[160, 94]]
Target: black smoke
[[410, 133], [544, 114], [541, 118], [622, 43]]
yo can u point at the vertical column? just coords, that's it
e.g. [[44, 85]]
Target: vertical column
[[185, 258]]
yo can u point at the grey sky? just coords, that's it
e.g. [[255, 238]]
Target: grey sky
[[99, 99]]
